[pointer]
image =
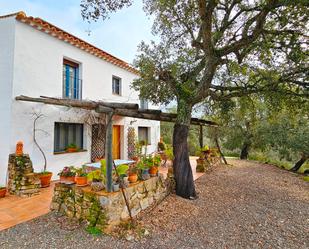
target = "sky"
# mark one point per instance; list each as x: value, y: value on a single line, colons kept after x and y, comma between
x: 119, y: 35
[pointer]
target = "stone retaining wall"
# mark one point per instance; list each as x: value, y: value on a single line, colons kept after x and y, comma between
x: 106, y: 210
x: 22, y: 181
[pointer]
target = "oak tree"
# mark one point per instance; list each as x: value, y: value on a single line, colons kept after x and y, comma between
x: 214, y: 50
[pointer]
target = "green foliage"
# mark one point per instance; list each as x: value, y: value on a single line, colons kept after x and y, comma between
x: 166, y: 131
x: 169, y: 152
x: 67, y: 171
x: 94, y: 230
x: 81, y: 171
x: 142, y: 166
x: 45, y: 172
x: 72, y: 146
x: 215, y: 51
x: 95, y: 175
x: 157, y: 160
x: 122, y: 169
x: 20, y: 161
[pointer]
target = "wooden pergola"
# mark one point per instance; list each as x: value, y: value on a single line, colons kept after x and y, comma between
x: 114, y: 108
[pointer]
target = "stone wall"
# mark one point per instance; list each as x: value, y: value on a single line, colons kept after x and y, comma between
x: 106, y: 210
x: 22, y: 180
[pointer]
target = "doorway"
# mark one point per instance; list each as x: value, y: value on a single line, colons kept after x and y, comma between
x: 116, y: 141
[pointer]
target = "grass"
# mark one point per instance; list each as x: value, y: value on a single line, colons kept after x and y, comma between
x: 94, y: 230
x: 279, y: 163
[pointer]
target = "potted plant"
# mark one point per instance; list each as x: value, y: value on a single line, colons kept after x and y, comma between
x: 45, y: 177
x: 153, y: 170
x: 144, y: 169
x: 121, y: 170
x: 81, y: 177
x: 133, y: 174
x: 2, y: 191
x: 157, y: 160
x: 96, y: 179
x: 67, y: 174
x: 71, y: 148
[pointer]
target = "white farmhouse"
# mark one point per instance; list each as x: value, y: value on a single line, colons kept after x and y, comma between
x: 40, y: 59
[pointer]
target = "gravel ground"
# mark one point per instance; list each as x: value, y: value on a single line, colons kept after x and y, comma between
x: 247, y: 205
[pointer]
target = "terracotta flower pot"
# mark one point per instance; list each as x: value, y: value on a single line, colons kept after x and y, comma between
x: 67, y: 178
x: 132, y: 177
x: 153, y: 170
x: 71, y: 150
x: 2, y: 192
x: 81, y: 180
x: 45, y: 180
x: 135, y: 158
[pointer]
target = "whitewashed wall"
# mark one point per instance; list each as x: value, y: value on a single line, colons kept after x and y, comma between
x: 38, y: 61
x: 6, y: 78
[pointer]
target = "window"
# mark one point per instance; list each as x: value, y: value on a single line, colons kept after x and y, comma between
x: 71, y: 82
x: 67, y: 134
x: 116, y: 85
x: 144, y: 134
x: 144, y: 104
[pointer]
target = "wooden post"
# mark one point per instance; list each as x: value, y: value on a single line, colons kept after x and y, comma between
x: 201, y: 137
x: 218, y: 146
x: 109, y: 152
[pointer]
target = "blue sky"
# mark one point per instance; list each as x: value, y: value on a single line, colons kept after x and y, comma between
x: 118, y: 35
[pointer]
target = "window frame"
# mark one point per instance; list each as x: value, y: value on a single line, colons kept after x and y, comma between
x: 148, y: 134
x: 120, y: 85
x: 57, y: 135
x: 76, y: 90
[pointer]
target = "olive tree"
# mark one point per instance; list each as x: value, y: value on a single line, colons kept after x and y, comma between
x: 213, y: 50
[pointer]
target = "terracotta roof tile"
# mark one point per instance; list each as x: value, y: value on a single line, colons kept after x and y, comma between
x: 54, y: 31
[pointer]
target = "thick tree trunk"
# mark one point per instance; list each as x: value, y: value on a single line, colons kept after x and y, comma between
x: 182, y: 168
x: 299, y: 163
x: 245, y: 150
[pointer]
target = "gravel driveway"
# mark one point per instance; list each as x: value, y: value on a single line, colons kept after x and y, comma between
x: 247, y: 205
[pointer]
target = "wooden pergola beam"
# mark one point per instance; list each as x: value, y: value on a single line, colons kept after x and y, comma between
x: 154, y: 115
x: 84, y: 104
x: 121, y: 109
x: 111, y: 109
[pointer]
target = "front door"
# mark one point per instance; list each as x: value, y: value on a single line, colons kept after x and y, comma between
x: 116, y: 142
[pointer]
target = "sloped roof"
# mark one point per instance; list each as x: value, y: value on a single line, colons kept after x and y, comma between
x: 60, y: 34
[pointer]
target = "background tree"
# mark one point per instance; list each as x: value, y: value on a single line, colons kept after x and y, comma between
x: 215, y: 50
x: 288, y: 134
x: 278, y: 128
x: 239, y: 119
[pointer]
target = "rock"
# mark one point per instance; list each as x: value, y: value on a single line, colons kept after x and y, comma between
x: 108, y: 210
x: 129, y: 237
x: 144, y: 203
x: 104, y: 201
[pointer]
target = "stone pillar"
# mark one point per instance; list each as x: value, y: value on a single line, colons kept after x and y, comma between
x: 22, y: 180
